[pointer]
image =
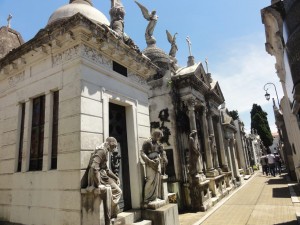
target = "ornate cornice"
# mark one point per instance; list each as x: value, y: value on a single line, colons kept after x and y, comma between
x: 61, y: 35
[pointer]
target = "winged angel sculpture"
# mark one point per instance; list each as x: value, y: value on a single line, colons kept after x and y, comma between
x: 172, y: 40
x: 152, y: 18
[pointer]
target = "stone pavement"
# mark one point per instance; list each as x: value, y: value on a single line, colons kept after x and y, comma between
x: 261, y: 200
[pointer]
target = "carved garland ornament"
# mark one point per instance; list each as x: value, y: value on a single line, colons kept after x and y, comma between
x: 84, y: 51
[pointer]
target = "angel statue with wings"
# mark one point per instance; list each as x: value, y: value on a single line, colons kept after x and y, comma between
x: 152, y: 18
x: 172, y: 40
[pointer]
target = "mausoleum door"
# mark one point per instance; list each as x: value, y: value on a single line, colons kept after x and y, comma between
x: 117, y: 129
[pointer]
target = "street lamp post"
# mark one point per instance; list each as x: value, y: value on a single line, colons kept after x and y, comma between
x: 267, y: 95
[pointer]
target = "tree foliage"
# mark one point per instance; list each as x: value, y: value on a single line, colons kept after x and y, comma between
x: 234, y: 114
x: 259, y: 122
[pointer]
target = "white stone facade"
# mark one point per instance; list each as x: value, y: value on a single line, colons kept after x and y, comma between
x: 86, y: 82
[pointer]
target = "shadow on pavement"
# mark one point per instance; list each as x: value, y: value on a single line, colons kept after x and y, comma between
x: 277, y: 181
x: 294, y: 222
x: 282, y: 192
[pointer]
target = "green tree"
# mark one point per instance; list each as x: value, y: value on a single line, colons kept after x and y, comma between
x: 259, y: 122
x: 234, y: 114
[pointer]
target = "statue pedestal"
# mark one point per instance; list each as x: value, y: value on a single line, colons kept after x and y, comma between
x: 199, y: 194
x: 164, y: 188
x: 156, y: 204
x: 96, y: 206
x: 166, y: 215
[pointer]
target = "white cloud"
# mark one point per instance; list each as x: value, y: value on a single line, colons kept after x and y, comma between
x: 242, y: 75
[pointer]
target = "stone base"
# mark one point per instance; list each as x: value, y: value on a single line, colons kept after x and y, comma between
x: 164, y: 188
x: 175, y: 188
x: 250, y: 170
x: 212, y: 173
x: 95, y: 203
x: 217, y: 186
x: 229, y: 180
x: 247, y: 171
x: 155, y: 204
x: 199, y: 195
x: 166, y: 215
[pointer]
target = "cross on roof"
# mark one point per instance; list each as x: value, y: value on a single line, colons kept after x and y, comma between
x: 8, y: 20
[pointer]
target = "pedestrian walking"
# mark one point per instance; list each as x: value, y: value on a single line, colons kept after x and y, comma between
x: 271, y: 164
x: 264, y: 164
x: 278, y: 163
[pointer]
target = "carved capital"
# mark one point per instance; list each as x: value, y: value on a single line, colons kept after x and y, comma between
x: 191, y: 103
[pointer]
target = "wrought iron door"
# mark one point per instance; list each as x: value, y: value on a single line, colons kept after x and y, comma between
x: 117, y: 129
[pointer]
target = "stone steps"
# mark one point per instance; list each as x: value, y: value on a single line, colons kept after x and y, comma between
x: 132, y: 217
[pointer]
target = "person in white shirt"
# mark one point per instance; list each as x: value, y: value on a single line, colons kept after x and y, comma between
x: 271, y: 163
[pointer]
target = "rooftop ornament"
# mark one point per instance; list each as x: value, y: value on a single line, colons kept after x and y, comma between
x: 117, y: 14
x: 172, y: 41
x: 152, y: 18
x: 8, y: 20
x: 206, y: 63
x: 189, y: 44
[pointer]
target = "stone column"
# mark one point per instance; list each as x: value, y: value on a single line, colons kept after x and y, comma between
x: 209, y: 163
x: 235, y: 168
x: 212, y: 138
x: 48, y: 131
x: 240, y: 150
x: 27, y: 135
x: 224, y: 162
x: 228, y: 155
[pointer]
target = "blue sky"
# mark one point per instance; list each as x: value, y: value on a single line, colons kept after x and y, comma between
x: 229, y: 33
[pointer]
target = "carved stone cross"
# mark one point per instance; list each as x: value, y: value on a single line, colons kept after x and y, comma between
x: 189, y: 44
x: 8, y: 20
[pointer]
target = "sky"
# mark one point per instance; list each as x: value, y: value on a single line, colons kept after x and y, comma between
x: 230, y: 34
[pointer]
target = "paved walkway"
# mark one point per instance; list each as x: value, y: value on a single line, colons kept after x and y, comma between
x: 260, y: 201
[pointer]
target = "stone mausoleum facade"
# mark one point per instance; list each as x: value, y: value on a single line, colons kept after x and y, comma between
x: 81, y: 80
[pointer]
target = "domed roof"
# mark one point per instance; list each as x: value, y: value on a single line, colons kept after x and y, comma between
x: 9, y: 40
x: 157, y: 56
x: 78, y: 6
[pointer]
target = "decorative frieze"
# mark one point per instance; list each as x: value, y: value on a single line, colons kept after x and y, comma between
x: 14, y: 80
x: 136, y: 78
x: 84, y: 51
x: 66, y: 55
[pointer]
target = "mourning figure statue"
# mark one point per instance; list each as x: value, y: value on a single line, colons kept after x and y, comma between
x: 152, y: 18
x: 154, y: 156
x: 195, y: 157
x: 100, y: 175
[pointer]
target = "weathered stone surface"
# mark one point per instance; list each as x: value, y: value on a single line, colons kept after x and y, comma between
x: 166, y: 215
x: 9, y: 39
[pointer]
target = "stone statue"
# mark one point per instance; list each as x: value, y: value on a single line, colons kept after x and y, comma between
x: 172, y: 41
x: 100, y: 175
x: 152, y: 154
x: 214, y: 151
x: 195, y: 157
x: 117, y: 14
x: 152, y: 18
